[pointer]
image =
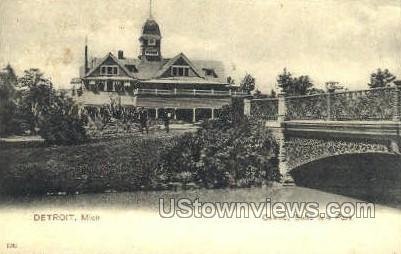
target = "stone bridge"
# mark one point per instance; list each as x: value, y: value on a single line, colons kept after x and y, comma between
x: 313, y: 127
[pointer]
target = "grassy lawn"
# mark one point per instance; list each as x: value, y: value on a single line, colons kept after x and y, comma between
x: 240, y: 155
x: 122, y: 164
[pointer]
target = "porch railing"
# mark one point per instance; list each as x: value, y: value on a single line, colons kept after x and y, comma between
x: 189, y: 92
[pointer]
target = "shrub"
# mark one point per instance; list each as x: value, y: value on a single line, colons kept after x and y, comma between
x: 61, y: 122
x: 219, y: 155
x: 28, y: 179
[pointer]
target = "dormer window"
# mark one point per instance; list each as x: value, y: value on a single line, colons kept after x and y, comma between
x: 210, y: 72
x: 152, y: 42
x: 180, y: 71
x: 151, y: 52
x: 109, y: 70
x: 131, y: 67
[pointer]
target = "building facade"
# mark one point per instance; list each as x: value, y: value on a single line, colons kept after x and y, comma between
x: 190, y: 89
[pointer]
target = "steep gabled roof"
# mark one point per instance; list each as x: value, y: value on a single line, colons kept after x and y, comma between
x: 115, y: 60
x: 148, y: 70
x: 173, y: 60
x: 217, y: 66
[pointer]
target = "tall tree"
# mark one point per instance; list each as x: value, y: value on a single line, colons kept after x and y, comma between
x: 36, y: 93
x: 381, y: 78
x: 294, y: 85
x: 285, y: 81
x: 51, y: 114
x: 248, y: 83
x: 8, y: 81
x: 302, y: 85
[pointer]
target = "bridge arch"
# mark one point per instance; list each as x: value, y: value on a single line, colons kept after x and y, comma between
x: 371, y: 176
x: 343, y: 154
x: 299, y: 149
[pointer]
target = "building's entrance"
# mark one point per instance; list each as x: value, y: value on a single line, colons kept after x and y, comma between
x: 163, y: 112
x: 109, y: 86
x: 203, y: 114
x: 184, y: 115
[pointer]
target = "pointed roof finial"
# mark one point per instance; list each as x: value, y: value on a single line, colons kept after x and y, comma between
x: 150, y: 9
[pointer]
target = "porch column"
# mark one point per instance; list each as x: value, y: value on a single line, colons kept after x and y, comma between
x: 175, y: 113
x: 157, y: 113
x: 104, y: 86
x: 212, y: 113
x: 194, y: 115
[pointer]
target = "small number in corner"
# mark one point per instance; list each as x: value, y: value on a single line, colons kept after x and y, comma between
x: 12, y: 246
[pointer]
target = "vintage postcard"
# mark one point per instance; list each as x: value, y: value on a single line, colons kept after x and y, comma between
x: 202, y: 126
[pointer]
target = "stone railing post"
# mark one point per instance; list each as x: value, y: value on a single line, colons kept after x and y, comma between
x: 396, y: 98
x: 247, y: 107
x: 395, y: 143
x: 330, y: 93
x: 282, y: 108
x: 278, y: 132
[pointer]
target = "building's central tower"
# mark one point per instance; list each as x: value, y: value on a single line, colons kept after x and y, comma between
x: 150, y: 41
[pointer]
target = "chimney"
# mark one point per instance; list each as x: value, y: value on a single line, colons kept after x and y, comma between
x: 86, y: 56
x: 120, y: 54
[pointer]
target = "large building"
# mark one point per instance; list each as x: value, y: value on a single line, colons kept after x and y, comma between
x: 189, y: 89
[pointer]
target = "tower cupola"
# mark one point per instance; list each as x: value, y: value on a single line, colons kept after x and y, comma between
x: 150, y: 40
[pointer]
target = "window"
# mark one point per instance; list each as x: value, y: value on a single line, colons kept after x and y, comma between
x: 109, y: 70
x: 210, y: 72
x: 131, y: 67
x: 151, y: 53
x: 180, y: 71
x: 152, y: 42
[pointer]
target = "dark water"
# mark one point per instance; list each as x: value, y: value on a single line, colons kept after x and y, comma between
x: 371, y: 177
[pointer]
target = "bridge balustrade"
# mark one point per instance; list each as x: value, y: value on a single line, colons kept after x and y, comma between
x: 266, y: 108
x: 374, y: 104
x: 309, y: 107
x: 378, y: 104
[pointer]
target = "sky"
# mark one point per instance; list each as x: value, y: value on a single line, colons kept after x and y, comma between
x: 328, y: 40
